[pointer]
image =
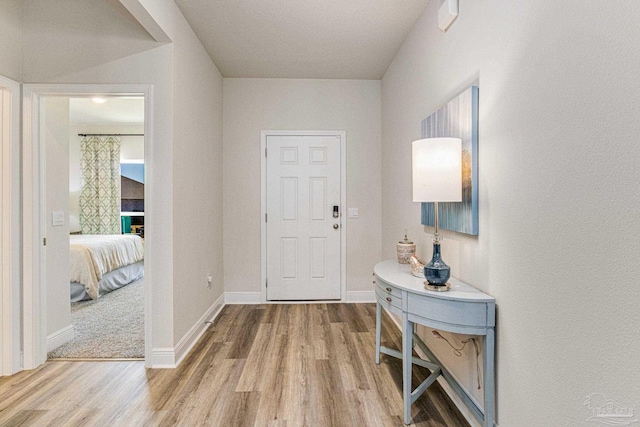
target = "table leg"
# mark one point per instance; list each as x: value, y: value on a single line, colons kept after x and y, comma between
x: 488, y: 354
x: 378, y: 330
x: 407, y: 347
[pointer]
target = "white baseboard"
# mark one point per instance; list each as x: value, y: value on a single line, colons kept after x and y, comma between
x: 193, y: 335
x: 163, y: 358
x: 60, y: 337
x: 171, y: 357
x: 361, y: 296
x: 255, y: 298
x: 242, y: 297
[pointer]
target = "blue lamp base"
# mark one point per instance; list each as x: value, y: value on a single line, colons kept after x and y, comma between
x: 437, y: 272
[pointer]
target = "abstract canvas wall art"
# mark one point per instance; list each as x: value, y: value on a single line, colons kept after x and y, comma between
x: 458, y: 119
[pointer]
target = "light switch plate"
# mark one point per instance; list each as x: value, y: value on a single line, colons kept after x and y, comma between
x: 352, y: 212
x: 57, y: 218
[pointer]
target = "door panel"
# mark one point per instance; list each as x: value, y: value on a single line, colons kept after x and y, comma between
x: 303, y: 247
x: 317, y: 257
x: 289, y: 258
x: 318, y: 198
x: 289, y: 198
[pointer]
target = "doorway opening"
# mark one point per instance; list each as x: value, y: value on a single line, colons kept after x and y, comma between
x: 94, y: 173
x: 67, y: 134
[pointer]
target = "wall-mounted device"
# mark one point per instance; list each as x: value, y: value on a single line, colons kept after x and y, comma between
x: 447, y: 13
x: 57, y: 218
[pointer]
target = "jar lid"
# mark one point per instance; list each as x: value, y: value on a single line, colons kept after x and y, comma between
x: 405, y: 241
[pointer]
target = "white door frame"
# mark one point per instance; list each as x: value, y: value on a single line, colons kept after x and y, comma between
x: 34, y: 256
x: 341, y: 135
x: 10, y: 360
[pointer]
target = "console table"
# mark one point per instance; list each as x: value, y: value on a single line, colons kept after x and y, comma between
x: 463, y: 310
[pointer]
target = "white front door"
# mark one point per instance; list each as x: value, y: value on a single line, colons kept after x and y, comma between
x: 303, y: 236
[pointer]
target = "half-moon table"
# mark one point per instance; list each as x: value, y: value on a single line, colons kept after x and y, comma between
x: 462, y: 310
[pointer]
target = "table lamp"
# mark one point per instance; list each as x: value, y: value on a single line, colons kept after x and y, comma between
x: 437, y: 177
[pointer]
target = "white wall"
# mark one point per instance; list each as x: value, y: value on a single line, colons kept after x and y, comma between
x: 90, y: 42
x: 559, y: 173
x: 197, y: 162
x: 253, y: 105
x: 98, y: 42
x: 55, y: 128
x: 11, y: 39
x: 131, y: 147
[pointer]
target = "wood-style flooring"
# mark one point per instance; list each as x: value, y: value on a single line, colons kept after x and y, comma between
x: 257, y: 365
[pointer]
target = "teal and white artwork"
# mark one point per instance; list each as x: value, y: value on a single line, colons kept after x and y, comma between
x: 457, y: 119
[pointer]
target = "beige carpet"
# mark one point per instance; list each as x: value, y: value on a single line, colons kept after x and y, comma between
x: 111, y: 327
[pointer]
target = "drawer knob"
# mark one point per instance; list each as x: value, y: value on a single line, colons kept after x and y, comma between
x: 388, y: 299
x: 388, y: 289
x: 374, y: 281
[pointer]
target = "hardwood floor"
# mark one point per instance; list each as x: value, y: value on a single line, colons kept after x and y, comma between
x: 269, y: 365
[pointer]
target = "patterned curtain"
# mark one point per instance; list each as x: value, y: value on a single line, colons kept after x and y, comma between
x: 100, y: 194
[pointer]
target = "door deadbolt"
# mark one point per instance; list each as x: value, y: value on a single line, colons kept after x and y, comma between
x: 335, y: 226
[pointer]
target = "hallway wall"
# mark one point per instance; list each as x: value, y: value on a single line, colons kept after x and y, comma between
x: 559, y: 170
x: 99, y: 42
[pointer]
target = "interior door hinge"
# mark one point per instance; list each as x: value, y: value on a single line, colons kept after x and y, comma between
x: 44, y: 241
x: 265, y: 153
x: 265, y: 218
x: 266, y: 283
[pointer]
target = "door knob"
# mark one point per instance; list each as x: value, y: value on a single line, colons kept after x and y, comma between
x: 335, y: 226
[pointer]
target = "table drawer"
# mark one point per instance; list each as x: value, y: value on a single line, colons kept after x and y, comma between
x: 449, y: 311
x: 388, y: 289
x: 386, y: 298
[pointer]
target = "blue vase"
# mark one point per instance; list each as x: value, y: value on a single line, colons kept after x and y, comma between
x: 436, y: 271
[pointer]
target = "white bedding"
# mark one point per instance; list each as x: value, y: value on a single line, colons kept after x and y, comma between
x: 95, y: 255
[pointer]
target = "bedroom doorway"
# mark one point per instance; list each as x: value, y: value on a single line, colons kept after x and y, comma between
x: 94, y: 174
x: 66, y: 135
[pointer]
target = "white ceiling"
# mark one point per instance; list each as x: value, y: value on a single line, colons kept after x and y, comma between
x: 328, y: 39
x: 122, y: 110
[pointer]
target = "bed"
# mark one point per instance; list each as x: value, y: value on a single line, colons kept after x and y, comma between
x: 103, y: 263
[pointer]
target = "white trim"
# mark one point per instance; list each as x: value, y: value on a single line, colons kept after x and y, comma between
x: 250, y: 298
x: 164, y: 358
x: 10, y: 307
x: 60, y: 337
x: 343, y: 202
x: 361, y: 296
x: 34, y: 284
x: 193, y: 335
x: 242, y: 297
x: 443, y: 383
x: 149, y: 255
x: 343, y: 213
x: 146, y: 19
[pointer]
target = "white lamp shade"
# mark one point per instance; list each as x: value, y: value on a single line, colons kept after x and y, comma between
x: 437, y: 170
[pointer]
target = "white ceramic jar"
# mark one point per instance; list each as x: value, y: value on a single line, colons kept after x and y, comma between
x: 406, y: 249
